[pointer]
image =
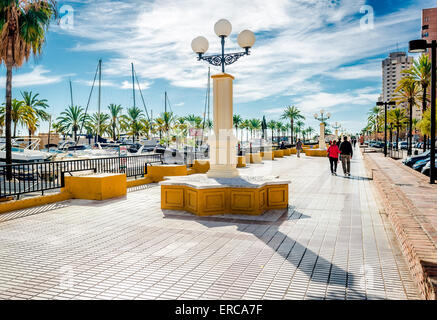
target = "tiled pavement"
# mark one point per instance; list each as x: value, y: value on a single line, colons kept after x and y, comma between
x: 332, y: 243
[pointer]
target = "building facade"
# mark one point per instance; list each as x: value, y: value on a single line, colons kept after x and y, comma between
x: 392, y: 68
x: 429, y: 24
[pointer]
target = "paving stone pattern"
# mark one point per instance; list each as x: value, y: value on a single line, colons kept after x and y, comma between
x: 333, y: 243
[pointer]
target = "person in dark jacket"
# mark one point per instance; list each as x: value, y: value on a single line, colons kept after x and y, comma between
x: 339, y: 142
x: 347, y: 153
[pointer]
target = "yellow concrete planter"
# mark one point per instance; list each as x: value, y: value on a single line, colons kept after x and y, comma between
x: 97, y: 187
x: 199, y: 166
x: 279, y: 153
x: 287, y: 152
x: 207, y: 202
x: 293, y: 151
x: 268, y: 155
x: 34, y: 202
x: 241, y: 162
x: 316, y: 153
x: 253, y: 158
x: 157, y: 173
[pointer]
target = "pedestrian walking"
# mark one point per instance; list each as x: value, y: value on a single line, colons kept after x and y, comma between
x: 347, y: 153
x: 299, y: 147
x: 333, y: 153
x: 339, y: 142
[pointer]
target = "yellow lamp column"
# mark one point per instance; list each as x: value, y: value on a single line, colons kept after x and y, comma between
x: 322, y: 143
x: 223, y: 154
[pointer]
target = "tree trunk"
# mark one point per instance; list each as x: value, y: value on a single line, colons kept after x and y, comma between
x: 423, y: 111
x: 410, y: 129
x: 292, y: 129
x: 113, y: 131
x: 9, y: 65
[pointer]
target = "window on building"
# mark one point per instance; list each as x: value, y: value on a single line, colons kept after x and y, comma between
x: 425, y: 35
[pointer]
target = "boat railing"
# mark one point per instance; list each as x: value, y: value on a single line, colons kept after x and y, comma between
x: 20, y: 179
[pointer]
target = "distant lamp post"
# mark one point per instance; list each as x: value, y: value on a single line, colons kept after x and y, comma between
x: 421, y: 46
x: 223, y: 28
x: 385, y: 104
x: 336, y: 126
x: 323, y: 117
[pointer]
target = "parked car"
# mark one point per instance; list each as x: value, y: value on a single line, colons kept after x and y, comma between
x: 403, y: 145
x: 426, y: 169
x: 419, y: 165
x: 410, y: 161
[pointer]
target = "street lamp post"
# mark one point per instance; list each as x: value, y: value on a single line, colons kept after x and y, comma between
x: 336, y: 126
x: 385, y: 104
x: 421, y: 46
x: 323, y: 117
x: 223, y: 143
x: 223, y: 28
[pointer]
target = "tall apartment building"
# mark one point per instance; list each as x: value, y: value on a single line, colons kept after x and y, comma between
x: 429, y: 24
x: 392, y: 68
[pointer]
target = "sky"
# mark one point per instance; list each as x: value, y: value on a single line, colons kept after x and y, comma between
x: 313, y: 54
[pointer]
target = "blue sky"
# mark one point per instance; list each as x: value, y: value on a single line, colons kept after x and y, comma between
x: 313, y: 54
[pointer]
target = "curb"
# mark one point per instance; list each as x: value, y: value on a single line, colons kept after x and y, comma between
x: 415, y: 243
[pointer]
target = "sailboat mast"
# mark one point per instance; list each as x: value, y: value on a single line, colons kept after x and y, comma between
x: 133, y: 84
x: 100, y: 98
x: 71, y: 94
x: 165, y: 108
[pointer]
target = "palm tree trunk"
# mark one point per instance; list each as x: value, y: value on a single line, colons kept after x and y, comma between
x: 423, y: 111
x: 113, y: 131
x: 291, y: 133
x: 410, y: 130
x: 9, y: 65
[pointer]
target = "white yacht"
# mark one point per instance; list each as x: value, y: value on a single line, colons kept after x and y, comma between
x: 24, y: 150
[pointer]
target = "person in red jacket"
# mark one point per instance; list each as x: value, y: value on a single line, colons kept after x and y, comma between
x: 333, y: 153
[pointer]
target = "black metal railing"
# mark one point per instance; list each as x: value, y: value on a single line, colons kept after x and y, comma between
x: 44, y: 176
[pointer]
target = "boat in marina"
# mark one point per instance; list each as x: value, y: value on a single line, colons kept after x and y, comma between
x: 25, y: 150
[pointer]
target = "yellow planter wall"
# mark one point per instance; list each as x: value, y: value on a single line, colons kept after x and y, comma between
x: 316, y: 153
x: 253, y: 158
x: 287, y: 152
x: 279, y: 153
x: 268, y: 155
x: 157, y: 173
x: 207, y: 202
x: 241, y: 162
x: 97, y: 187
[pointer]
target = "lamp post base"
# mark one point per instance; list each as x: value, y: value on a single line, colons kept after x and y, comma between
x: 223, y: 171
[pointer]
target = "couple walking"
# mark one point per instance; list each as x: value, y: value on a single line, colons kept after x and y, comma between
x: 343, y: 150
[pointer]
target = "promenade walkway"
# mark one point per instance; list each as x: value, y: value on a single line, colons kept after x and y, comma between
x: 334, y: 242
x: 411, y: 203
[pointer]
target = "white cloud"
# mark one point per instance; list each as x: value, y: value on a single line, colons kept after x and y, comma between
x: 298, y: 42
x: 126, y: 85
x: 39, y: 76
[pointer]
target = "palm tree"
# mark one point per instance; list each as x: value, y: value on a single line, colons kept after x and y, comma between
x: 32, y: 101
x: 71, y: 118
x: 420, y: 71
x: 237, y: 121
x: 131, y: 121
x: 374, y: 119
x: 115, y: 112
x: 23, y: 28
x: 160, y: 125
x: 254, y: 124
x: 272, y: 126
x: 168, y: 119
x: 146, y: 127
x: 408, y: 91
x: 398, y: 118
x: 300, y: 125
x: 21, y: 114
x: 310, y: 131
x: 279, y: 129
x: 425, y: 124
x: 245, y: 125
x: 292, y: 113
x: 97, y: 124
